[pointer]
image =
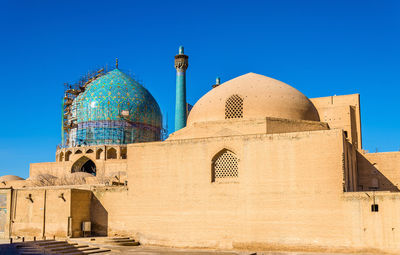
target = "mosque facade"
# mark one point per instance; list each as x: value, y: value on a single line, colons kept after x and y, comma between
x: 254, y: 165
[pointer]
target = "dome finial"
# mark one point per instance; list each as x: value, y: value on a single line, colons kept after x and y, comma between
x: 217, y: 82
x: 181, y: 50
x: 116, y: 63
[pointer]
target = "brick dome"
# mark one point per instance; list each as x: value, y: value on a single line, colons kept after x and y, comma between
x: 254, y: 96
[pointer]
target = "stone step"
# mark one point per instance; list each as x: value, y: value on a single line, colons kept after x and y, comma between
x: 24, y: 245
x: 44, y: 241
x: 51, y: 243
x: 80, y: 252
x: 118, y: 241
x: 133, y: 243
x: 66, y: 247
x: 34, y: 251
x: 119, y: 238
x: 81, y: 246
x: 56, y: 246
x: 89, y: 249
x: 99, y: 251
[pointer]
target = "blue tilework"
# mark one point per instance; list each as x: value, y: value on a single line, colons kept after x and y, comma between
x: 99, y: 112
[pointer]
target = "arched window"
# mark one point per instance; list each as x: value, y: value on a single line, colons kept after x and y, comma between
x: 99, y: 154
x: 89, y: 151
x: 111, y: 153
x: 234, y: 107
x: 78, y: 152
x: 225, y: 166
x: 61, y: 157
x: 68, y: 155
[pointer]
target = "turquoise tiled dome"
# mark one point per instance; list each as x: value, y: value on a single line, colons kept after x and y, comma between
x: 107, y: 96
x: 116, y: 109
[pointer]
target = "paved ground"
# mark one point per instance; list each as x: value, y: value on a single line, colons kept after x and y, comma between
x: 6, y: 249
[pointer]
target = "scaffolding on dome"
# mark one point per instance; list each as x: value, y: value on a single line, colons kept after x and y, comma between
x: 101, y: 132
x: 72, y: 91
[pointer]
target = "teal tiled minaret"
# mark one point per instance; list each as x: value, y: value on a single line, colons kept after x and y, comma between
x: 181, y: 64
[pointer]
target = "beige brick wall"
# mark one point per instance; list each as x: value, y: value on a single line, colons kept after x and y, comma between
x: 341, y: 112
x: 288, y: 192
x: 57, y: 212
x: 28, y: 215
x: 80, y: 210
x: 384, y: 167
x: 47, y: 213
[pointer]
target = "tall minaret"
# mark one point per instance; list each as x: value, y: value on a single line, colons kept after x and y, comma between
x: 181, y: 64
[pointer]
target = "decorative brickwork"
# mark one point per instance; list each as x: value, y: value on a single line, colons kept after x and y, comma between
x: 234, y: 107
x: 225, y: 166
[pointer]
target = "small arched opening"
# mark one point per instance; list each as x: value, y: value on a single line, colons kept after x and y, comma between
x: 78, y: 152
x: 89, y: 151
x: 68, y: 155
x: 224, y: 166
x: 61, y: 157
x: 84, y: 164
x: 111, y: 153
x: 100, y: 154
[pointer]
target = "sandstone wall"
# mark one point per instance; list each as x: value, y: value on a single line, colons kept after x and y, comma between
x: 80, y: 210
x: 341, y: 112
x: 42, y: 212
x: 289, y: 192
x: 380, y: 171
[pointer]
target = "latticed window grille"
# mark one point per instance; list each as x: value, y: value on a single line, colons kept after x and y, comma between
x: 234, y: 107
x: 225, y: 166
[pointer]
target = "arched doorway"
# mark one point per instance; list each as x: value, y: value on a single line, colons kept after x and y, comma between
x: 84, y: 164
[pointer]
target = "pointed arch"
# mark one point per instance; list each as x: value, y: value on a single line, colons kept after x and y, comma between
x: 234, y: 107
x: 224, y: 166
x: 111, y: 153
x: 84, y: 164
x: 78, y: 152
x: 61, y: 157
x: 100, y: 154
x: 89, y: 151
x: 68, y: 155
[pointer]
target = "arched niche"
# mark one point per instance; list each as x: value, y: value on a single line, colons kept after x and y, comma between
x: 224, y: 166
x: 68, y: 155
x: 100, y: 154
x: 111, y: 153
x: 61, y: 157
x: 84, y: 164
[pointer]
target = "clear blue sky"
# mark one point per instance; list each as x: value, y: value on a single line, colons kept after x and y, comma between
x: 321, y: 48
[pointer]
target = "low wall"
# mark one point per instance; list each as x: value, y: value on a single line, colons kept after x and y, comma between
x: 40, y: 212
